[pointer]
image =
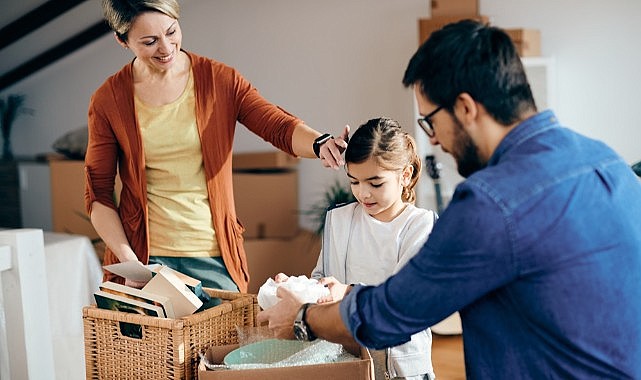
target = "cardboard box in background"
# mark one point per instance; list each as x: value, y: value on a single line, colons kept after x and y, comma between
x: 526, y: 41
x: 293, y: 256
x: 264, y: 160
x: 428, y: 25
x: 267, y: 203
x: 455, y: 8
x: 266, y: 194
x: 68, y: 198
x: 348, y: 370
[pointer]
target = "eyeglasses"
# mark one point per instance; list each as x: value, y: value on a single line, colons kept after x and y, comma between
x: 426, y: 122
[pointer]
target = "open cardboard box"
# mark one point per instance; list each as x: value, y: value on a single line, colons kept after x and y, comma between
x: 362, y: 369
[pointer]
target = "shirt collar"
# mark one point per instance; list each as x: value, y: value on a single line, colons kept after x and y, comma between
x: 529, y: 127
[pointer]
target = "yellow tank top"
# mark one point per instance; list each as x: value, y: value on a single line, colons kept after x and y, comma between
x: 180, y: 222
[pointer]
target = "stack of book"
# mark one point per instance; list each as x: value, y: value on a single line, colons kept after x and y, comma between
x: 167, y: 294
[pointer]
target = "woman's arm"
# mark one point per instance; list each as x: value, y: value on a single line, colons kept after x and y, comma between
x: 330, y: 152
x: 107, y: 223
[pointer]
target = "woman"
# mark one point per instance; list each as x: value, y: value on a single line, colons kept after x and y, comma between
x: 166, y: 122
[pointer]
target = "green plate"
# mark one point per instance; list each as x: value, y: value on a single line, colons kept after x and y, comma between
x: 267, y: 351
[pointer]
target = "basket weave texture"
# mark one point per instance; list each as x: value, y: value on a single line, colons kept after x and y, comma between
x: 167, y: 348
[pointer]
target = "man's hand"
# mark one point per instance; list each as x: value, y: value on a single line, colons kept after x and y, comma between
x: 280, y: 317
x: 331, y: 152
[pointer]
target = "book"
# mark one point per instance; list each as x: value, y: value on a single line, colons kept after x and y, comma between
x: 165, y: 282
x: 184, y: 292
x: 134, y: 270
x: 193, y: 284
x: 140, y: 295
x: 111, y: 301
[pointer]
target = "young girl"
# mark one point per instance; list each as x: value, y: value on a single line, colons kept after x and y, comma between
x: 369, y: 240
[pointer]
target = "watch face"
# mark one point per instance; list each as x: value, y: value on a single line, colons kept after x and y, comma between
x: 300, y: 331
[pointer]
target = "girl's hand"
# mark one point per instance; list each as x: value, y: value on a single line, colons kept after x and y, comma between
x: 336, y: 289
x: 281, y: 277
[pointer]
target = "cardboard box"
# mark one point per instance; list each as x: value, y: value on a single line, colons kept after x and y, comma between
x: 264, y: 160
x: 349, y: 370
x: 266, y: 193
x: 454, y: 8
x: 526, y: 41
x: 267, y: 203
x: 68, y: 198
x: 427, y: 26
x: 268, y: 257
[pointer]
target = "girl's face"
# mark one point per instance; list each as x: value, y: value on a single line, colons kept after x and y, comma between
x: 155, y: 39
x: 378, y: 190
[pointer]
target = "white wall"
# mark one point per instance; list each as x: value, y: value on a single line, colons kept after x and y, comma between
x: 334, y: 62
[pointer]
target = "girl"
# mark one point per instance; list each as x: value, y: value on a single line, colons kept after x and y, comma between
x: 369, y: 240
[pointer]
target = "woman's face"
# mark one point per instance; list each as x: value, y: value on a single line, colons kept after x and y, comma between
x: 155, y: 39
x: 378, y: 190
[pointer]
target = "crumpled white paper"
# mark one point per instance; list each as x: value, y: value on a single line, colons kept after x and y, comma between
x: 307, y: 289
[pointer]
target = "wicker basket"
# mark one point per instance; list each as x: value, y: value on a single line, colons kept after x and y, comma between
x: 162, y: 348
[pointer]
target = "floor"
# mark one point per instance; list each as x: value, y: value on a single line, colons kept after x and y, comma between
x: 447, y: 357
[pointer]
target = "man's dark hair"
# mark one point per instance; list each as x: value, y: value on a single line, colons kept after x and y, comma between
x: 477, y: 59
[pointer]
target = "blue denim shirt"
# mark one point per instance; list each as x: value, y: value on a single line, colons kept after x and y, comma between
x: 541, y: 254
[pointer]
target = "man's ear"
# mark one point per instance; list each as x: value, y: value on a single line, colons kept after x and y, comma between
x: 466, y: 109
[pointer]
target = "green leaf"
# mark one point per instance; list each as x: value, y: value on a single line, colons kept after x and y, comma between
x: 336, y: 194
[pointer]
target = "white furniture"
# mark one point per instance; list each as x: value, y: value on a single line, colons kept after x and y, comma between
x: 72, y: 272
x: 25, y: 334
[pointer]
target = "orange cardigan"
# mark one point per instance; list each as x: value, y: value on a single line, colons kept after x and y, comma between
x: 223, y: 97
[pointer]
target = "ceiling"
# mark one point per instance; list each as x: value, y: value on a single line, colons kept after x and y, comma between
x: 36, y: 33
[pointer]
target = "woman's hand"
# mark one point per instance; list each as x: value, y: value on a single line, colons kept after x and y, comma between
x: 331, y: 152
x: 135, y: 284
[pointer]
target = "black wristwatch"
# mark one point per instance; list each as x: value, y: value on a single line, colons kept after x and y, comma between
x: 301, y: 329
x: 320, y: 141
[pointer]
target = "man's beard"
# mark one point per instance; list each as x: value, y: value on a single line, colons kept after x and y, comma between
x: 465, y: 152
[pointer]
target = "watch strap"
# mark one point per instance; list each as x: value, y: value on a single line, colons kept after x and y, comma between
x: 319, y: 142
x: 310, y: 334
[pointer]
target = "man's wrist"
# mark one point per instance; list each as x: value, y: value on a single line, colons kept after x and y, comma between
x: 302, y: 331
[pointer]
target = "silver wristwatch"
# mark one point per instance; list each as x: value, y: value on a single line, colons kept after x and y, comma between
x: 301, y: 329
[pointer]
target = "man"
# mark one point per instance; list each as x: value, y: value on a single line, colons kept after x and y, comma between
x: 539, y: 249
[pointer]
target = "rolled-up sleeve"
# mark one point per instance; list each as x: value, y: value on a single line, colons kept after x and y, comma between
x: 375, y: 334
x: 101, y: 159
x: 267, y: 120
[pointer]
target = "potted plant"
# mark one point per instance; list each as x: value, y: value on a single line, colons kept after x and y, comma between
x: 335, y: 194
x: 10, y: 108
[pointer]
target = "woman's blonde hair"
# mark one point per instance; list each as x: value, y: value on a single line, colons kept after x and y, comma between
x: 120, y: 14
x: 394, y: 149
